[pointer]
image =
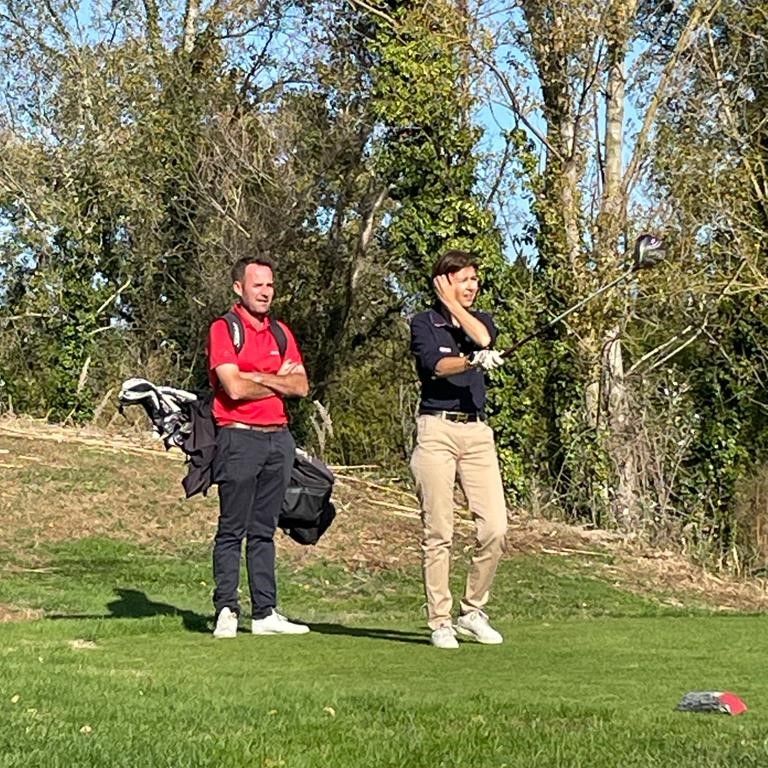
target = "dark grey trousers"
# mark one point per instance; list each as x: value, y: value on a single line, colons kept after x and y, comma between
x: 252, y: 470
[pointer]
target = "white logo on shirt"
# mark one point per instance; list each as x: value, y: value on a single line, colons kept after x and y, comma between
x: 445, y: 349
x: 274, y: 352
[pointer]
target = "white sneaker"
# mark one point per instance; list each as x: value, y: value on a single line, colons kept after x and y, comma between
x: 475, y: 624
x: 445, y: 638
x: 226, y: 624
x: 275, y: 624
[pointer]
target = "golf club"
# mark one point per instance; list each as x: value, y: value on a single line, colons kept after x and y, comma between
x: 648, y: 251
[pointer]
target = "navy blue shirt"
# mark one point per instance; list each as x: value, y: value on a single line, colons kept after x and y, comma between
x: 433, y: 337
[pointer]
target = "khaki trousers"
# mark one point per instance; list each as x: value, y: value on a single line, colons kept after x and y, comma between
x: 444, y: 448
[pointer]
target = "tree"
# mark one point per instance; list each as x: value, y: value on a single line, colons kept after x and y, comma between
x: 710, y: 164
x: 578, y: 55
x: 154, y: 157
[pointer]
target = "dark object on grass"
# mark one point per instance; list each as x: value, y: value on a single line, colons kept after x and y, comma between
x: 719, y: 702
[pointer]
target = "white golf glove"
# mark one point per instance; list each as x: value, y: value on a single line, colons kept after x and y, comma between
x: 487, y: 359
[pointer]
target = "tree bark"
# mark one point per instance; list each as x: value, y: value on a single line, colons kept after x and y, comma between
x: 615, y: 429
x: 191, y: 12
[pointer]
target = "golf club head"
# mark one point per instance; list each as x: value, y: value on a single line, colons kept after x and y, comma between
x: 649, y: 251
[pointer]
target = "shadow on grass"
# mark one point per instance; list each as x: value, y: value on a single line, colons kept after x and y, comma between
x: 394, y: 635
x: 134, y: 604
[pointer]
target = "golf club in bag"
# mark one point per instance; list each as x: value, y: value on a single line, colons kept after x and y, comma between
x: 648, y: 251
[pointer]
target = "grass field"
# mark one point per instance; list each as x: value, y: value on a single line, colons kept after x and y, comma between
x: 111, y: 662
x: 122, y: 671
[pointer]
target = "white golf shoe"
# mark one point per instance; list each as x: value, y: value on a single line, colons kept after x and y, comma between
x: 276, y: 624
x: 475, y: 625
x: 226, y: 624
x: 444, y: 638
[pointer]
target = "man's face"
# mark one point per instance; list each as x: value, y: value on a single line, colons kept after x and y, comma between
x: 466, y: 285
x: 257, y: 289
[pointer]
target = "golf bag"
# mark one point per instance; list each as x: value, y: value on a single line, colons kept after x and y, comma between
x: 166, y: 407
x: 183, y: 420
x: 307, y: 511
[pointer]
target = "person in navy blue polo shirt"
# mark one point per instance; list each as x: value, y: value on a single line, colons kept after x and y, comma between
x: 452, y: 345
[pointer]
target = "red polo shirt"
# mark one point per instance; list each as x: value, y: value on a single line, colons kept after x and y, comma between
x: 258, y: 354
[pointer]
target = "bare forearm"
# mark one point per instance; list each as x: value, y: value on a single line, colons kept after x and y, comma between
x: 288, y: 385
x: 473, y: 327
x: 450, y: 366
x: 244, y: 387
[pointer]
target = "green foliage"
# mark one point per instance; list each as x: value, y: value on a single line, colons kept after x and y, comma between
x: 113, y: 258
x: 428, y: 158
x: 55, y: 340
x: 369, y: 407
x: 730, y: 437
x: 372, y: 407
x: 139, y: 161
x: 169, y: 165
x: 709, y: 163
x: 515, y: 391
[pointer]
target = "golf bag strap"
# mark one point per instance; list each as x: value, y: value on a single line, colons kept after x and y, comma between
x: 237, y: 332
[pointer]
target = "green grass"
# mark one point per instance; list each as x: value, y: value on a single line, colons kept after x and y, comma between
x: 588, y: 675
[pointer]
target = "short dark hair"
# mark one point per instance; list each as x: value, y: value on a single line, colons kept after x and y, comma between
x: 238, y: 268
x: 453, y: 261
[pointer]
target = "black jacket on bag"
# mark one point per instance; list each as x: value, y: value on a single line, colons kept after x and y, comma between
x: 185, y: 421
x: 200, y: 447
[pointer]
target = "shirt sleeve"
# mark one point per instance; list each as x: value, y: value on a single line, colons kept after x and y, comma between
x: 221, y: 350
x: 429, y: 346
x: 425, y: 346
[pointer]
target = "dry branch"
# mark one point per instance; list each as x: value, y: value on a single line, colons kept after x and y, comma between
x: 113, y: 447
x: 377, y: 486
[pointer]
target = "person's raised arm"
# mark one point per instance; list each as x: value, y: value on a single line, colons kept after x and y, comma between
x: 446, y: 291
x: 427, y: 351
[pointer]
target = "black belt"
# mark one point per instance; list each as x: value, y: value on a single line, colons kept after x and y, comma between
x: 458, y: 416
x: 256, y: 427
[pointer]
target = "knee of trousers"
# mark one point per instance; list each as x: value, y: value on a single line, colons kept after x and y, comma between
x: 436, y: 544
x: 437, y: 533
x: 230, y: 533
x: 493, y: 536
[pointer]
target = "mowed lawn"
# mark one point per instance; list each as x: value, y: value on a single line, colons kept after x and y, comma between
x: 121, y: 670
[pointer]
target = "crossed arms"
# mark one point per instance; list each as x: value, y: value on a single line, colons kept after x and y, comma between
x: 290, y: 381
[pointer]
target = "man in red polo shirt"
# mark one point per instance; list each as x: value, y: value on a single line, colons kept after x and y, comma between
x: 254, y: 449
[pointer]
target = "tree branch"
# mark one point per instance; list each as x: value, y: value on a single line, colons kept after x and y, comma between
x: 643, y: 136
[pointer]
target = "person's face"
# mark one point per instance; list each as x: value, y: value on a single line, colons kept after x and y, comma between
x: 257, y: 289
x: 466, y: 285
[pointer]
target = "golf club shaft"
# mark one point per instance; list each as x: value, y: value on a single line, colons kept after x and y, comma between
x: 531, y: 336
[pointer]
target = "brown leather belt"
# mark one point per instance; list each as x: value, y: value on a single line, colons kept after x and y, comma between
x: 256, y: 427
x: 458, y: 416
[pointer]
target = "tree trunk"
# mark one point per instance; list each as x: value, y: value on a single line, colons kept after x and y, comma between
x: 614, y: 431
x: 191, y: 12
